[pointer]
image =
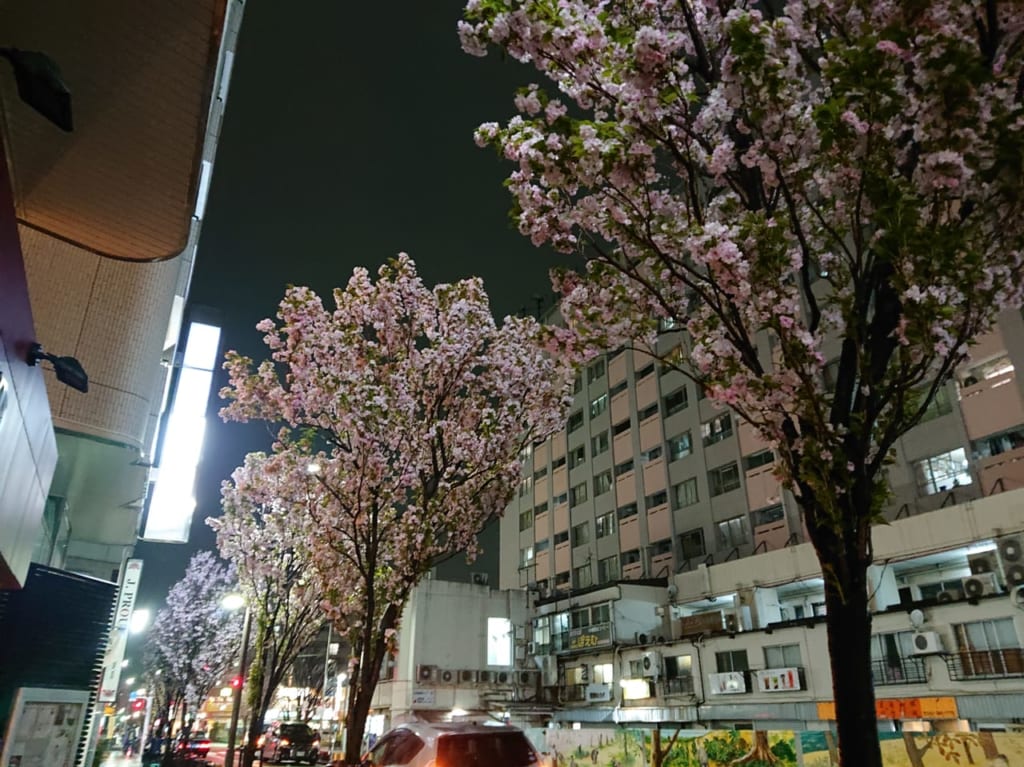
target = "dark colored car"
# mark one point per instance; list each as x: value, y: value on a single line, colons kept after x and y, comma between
x: 293, y: 742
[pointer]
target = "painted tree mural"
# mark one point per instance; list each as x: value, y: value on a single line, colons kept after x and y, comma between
x: 819, y: 200
x: 403, y: 412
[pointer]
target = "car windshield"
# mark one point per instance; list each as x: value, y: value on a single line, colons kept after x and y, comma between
x: 296, y: 730
x: 509, y: 749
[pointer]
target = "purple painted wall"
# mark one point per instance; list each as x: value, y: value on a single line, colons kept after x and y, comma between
x: 28, y: 449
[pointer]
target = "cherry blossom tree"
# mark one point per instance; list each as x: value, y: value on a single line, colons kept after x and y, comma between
x: 193, y: 641
x: 271, y: 555
x: 404, y: 410
x: 789, y: 183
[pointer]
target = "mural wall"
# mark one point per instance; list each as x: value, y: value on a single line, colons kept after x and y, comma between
x: 610, y: 747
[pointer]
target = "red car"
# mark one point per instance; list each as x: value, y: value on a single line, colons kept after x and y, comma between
x: 195, y: 746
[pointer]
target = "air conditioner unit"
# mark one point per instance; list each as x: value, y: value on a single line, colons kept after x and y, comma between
x: 479, y: 579
x: 468, y: 675
x: 527, y: 678
x: 485, y: 677
x: 985, y: 562
x: 548, y: 665
x: 927, y: 643
x: 651, y: 663
x: 945, y: 596
x: 446, y: 676
x: 503, y: 677
x: 980, y: 585
x: 425, y: 673
x: 1017, y: 597
x: 1011, y: 556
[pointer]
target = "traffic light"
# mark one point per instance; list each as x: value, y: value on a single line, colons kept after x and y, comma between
x: 139, y: 704
x: 236, y: 682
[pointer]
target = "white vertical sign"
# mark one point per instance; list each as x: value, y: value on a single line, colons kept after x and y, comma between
x: 119, y: 635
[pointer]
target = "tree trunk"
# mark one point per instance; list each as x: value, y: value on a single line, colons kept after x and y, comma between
x: 849, y: 642
x: 915, y: 753
x: 760, y: 754
x: 368, y: 673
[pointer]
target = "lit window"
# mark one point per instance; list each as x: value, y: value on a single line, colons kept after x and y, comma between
x: 943, y: 472
x: 499, y: 642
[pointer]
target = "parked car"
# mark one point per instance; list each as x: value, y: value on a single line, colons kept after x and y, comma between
x: 291, y: 741
x: 195, y: 746
x: 453, y: 745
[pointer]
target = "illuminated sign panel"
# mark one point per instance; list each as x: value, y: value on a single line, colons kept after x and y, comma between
x: 173, y: 498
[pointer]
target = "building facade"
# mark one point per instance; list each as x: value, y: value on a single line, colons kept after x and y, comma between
x: 652, y: 483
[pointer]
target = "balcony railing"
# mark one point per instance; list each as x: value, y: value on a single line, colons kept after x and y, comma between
x: 680, y: 685
x: 898, y: 671
x: 574, y: 693
x: 985, y: 664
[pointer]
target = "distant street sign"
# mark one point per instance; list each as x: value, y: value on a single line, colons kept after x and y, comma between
x: 132, y: 695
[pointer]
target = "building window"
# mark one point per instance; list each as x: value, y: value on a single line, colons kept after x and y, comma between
x: 540, y: 508
x: 526, y: 453
x: 619, y: 428
x: 676, y: 401
x: 540, y: 473
x: 599, y: 444
x: 605, y: 525
x: 692, y: 543
x: 681, y: 446
x: 717, y: 429
x: 627, y: 511
x: 525, y: 520
x: 561, y: 498
x: 561, y: 537
x: 679, y: 673
x: 758, y: 459
x: 943, y: 472
x: 651, y: 455
x: 767, y: 515
x: 731, y: 660
x: 893, y: 661
x: 644, y: 371
x: 577, y: 456
x: 577, y: 385
x: 624, y: 468
x: 685, y: 493
x: 581, y: 534
x: 526, y: 556
x: 648, y: 412
x: 542, y: 545
x: 525, y: 486
x: 986, y: 648
x: 598, y: 406
x: 724, y: 478
x: 575, y: 421
x: 499, y: 642
x: 608, y: 569
x: 558, y: 463
x: 581, y: 577
x: 659, y: 498
x: 732, y: 532
x: 941, y: 404
x: 562, y: 581
x: 782, y: 656
x: 595, y: 371
x: 602, y: 673
x: 618, y: 388
x: 631, y: 557
x: 578, y: 494
x: 602, y: 483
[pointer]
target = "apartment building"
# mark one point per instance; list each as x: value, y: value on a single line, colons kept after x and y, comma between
x: 653, y: 487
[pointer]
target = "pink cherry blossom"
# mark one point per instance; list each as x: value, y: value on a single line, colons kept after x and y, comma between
x: 821, y: 175
x: 403, y: 412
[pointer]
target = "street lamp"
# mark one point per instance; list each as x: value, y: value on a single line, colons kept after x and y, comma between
x: 233, y: 602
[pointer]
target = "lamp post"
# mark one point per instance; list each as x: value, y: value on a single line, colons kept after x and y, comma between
x: 234, y: 601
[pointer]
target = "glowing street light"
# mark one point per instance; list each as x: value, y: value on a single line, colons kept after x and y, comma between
x: 139, y: 621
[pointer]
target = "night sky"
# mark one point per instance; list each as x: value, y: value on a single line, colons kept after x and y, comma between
x: 348, y: 137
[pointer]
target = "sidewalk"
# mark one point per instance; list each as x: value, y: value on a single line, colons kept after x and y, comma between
x: 117, y: 759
